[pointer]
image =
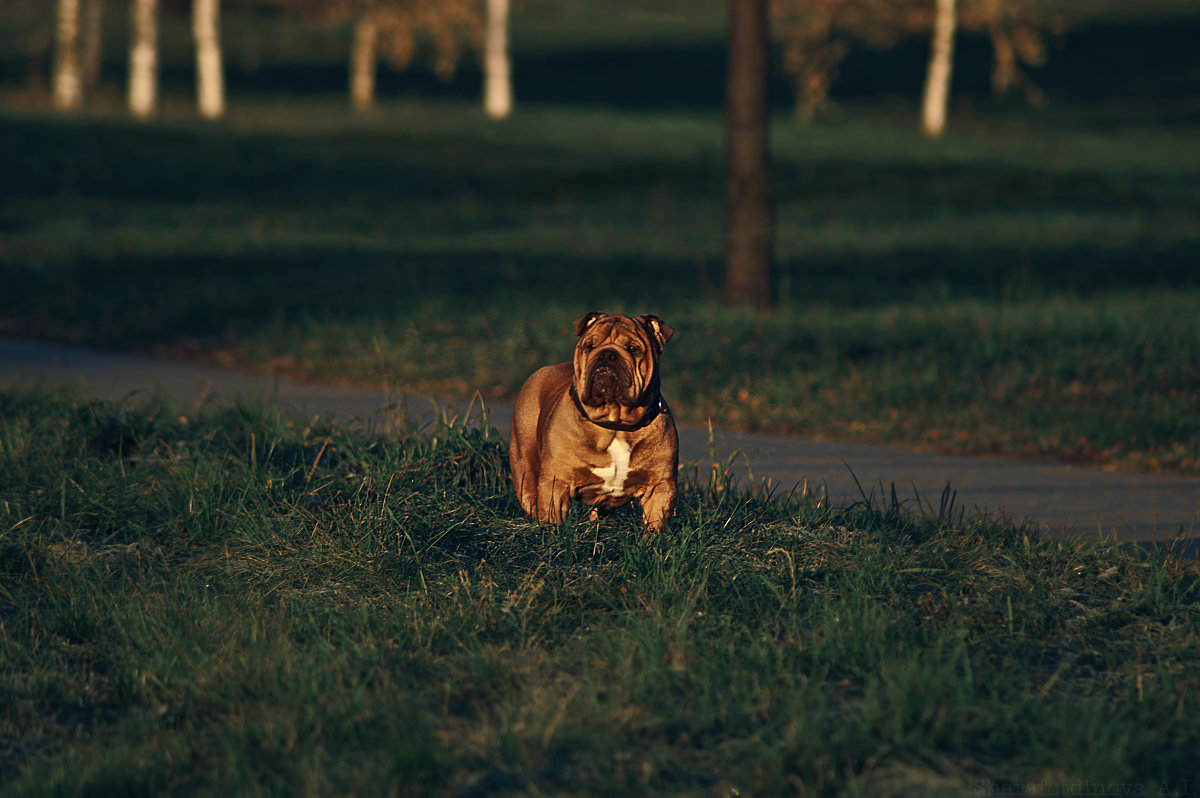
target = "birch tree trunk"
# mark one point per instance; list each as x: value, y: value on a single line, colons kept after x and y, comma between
x: 362, y: 63
x: 749, y: 275
x: 143, y: 58
x: 941, y: 62
x: 498, y: 93
x: 92, y: 42
x: 210, y: 78
x: 68, y: 82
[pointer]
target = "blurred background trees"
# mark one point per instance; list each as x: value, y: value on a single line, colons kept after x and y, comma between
x: 210, y: 72
x: 396, y: 31
x: 814, y: 37
x: 811, y: 37
x: 941, y: 65
x: 391, y: 29
x: 143, y: 58
x: 749, y: 238
x: 497, y: 65
x: 68, y: 78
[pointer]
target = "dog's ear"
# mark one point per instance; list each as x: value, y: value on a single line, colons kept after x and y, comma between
x: 659, y: 329
x: 587, y: 320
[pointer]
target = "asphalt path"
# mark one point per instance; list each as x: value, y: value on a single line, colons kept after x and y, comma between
x: 1066, y: 499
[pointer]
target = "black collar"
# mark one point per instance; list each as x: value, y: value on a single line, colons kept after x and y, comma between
x: 659, y: 406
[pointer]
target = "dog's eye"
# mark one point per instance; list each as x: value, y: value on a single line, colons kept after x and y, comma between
x: 588, y: 346
x: 632, y: 349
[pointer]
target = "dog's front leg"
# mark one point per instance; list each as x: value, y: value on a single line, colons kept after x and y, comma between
x: 554, y: 500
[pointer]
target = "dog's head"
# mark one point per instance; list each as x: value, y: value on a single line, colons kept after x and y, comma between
x: 616, y: 359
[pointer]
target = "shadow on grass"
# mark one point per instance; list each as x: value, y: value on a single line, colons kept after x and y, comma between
x: 200, y: 228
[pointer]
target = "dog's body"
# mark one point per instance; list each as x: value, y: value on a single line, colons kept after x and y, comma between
x: 597, y: 429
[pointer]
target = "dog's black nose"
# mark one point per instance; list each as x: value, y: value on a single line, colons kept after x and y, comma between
x: 606, y: 356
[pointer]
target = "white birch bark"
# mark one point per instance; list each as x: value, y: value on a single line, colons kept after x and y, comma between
x: 68, y: 81
x: 92, y: 42
x: 941, y: 62
x: 210, y: 78
x: 498, y: 93
x: 143, y: 58
x: 362, y: 63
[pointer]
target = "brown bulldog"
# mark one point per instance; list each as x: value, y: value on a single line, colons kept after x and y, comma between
x: 597, y: 429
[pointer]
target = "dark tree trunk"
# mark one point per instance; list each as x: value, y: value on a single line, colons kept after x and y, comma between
x: 749, y: 278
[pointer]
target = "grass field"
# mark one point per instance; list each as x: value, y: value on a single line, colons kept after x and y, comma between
x: 219, y: 600
x: 1019, y: 289
x: 1025, y: 287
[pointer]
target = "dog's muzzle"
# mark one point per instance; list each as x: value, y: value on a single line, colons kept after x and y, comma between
x: 608, y: 378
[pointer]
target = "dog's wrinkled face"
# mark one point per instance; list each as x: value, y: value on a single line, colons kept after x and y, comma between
x: 616, y: 359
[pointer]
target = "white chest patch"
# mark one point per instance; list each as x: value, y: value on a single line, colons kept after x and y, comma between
x: 614, y: 475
